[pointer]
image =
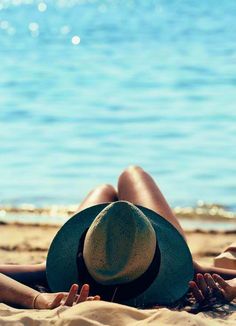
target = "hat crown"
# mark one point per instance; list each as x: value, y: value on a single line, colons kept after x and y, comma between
x: 119, y: 245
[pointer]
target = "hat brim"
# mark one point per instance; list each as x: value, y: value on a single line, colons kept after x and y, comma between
x: 176, y: 267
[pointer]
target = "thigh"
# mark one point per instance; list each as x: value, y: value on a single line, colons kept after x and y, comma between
x: 102, y: 194
x: 138, y: 187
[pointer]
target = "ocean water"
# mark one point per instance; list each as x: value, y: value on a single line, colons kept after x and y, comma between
x: 90, y: 87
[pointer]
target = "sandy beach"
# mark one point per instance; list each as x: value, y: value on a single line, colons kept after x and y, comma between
x: 28, y: 243
x: 21, y: 243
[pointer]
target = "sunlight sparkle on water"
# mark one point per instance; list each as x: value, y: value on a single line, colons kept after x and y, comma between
x: 42, y: 7
x: 75, y: 40
x: 33, y: 27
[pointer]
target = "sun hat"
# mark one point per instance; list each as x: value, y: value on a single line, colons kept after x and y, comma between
x: 126, y: 253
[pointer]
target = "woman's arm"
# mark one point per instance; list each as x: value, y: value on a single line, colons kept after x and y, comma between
x: 15, y: 293
x: 26, y: 274
x: 227, y: 274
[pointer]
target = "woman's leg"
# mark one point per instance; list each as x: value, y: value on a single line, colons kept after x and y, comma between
x: 102, y: 194
x: 137, y: 186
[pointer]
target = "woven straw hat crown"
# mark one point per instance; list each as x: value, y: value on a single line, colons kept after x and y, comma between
x: 119, y: 245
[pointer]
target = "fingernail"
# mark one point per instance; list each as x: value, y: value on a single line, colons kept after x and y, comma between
x: 86, y: 286
x: 75, y: 287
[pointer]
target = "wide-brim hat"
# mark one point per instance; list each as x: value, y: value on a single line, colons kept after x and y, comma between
x: 128, y: 254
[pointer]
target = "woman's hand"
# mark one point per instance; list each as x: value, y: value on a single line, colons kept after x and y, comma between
x: 214, y: 286
x: 53, y: 300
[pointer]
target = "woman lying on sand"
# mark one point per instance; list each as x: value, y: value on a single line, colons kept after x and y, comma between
x: 137, y: 187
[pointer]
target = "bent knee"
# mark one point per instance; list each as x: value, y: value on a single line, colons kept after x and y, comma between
x: 105, y: 189
x: 132, y: 169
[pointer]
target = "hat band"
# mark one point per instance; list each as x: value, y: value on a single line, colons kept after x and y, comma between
x: 117, y: 292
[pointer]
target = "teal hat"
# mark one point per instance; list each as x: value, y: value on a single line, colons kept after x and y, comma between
x: 127, y: 254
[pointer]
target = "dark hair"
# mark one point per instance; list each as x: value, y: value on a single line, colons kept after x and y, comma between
x: 215, y: 303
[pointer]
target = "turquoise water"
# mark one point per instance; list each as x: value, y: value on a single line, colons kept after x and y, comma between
x: 90, y: 87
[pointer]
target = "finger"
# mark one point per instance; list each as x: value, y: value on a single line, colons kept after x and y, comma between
x: 90, y: 299
x: 223, y: 284
x: 210, y: 282
x: 196, y: 291
x: 57, y: 301
x: 71, y: 298
x: 95, y: 298
x: 84, y: 292
x: 202, y: 285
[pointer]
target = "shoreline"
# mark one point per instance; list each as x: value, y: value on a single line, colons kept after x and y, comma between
x: 200, y: 211
x: 200, y: 208
x: 203, y: 217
